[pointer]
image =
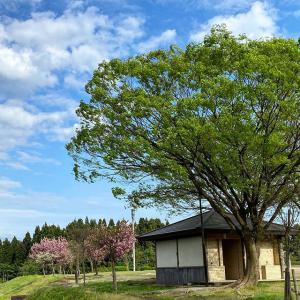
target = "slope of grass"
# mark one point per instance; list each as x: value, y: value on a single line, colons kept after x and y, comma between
x: 143, y: 290
x: 25, y: 285
x: 97, y: 291
x: 131, y: 286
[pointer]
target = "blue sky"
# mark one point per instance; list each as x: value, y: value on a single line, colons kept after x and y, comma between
x: 48, y: 50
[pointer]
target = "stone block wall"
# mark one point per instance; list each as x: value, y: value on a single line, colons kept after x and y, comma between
x: 216, y: 273
x: 269, y: 260
x: 216, y: 270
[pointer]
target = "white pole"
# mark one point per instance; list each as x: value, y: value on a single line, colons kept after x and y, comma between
x: 133, y: 246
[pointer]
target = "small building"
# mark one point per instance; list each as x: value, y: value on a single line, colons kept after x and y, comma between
x: 179, y: 251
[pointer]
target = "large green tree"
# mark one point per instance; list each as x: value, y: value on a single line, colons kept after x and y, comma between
x: 218, y: 120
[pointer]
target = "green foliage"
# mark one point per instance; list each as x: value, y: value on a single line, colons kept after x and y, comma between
x: 50, y: 231
x: 8, y: 271
x: 218, y: 120
x: 27, y: 243
x: 37, y: 235
x: 18, y: 251
x: 111, y: 223
x: 29, y: 267
x: 295, y: 247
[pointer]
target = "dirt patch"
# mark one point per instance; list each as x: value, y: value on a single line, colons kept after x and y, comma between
x: 62, y: 282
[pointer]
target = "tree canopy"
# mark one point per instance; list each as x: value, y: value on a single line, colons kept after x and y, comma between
x: 218, y: 120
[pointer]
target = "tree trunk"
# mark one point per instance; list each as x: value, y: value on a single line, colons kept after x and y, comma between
x: 83, y: 270
x: 96, y: 268
x: 92, y: 265
x: 251, y: 274
x: 53, y: 270
x: 114, y: 275
x: 126, y: 262
x: 77, y: 271
x: 44, y: 273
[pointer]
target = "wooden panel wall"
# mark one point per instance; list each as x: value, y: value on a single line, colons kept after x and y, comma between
x: 174, y: 276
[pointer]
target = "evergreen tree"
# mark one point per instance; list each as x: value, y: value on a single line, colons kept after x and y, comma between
x: 37, y: 235
x: 145, y: 251
x: 18, y: 252
x: 27, y: 242
x: 6, y: 253
x: 1, y: 251
x: 111, y: 223
x: 93, y: 223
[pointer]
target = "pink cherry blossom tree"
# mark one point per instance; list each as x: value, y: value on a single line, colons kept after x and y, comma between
x: 51, y: 252
x: 116, y: 242
x: 94, y: 252
x: 63, y: 255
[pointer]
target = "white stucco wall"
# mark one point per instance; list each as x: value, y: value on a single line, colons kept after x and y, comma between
x: 166, y: 254
x: 190, y: 252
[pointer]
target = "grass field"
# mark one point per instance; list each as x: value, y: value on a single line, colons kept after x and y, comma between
x: 25, y: 285
x: 138, y: 285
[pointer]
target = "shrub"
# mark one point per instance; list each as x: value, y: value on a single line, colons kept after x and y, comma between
x: 29, y: 268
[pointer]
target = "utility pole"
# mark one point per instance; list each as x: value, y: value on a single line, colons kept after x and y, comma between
x: 203, y: 244
x: 133, y: 230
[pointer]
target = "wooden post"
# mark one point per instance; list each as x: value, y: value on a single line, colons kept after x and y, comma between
x: 295, y: 284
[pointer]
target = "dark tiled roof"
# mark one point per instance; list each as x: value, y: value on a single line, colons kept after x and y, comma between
x: 212, y: 221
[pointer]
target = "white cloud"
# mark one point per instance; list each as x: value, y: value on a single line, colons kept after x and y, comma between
x: 63, y: 134
x: 14, y: 196
x: 22, y: 210
x: 154, y: 42
x: 49, y: 52
x: 16, y: 165
x: 18, y: 124
x: 73, y: 81
x: 30, y: 157
x: 258, y: 22
x: 22, y: 213
x: 7, y: 184
x: 33, y: 51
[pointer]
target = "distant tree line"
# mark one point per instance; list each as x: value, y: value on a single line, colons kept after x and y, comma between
x: 15, y: 254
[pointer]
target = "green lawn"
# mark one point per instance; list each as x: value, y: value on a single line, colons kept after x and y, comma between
x: 138, y: 285
x: 25, y: 285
